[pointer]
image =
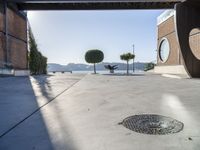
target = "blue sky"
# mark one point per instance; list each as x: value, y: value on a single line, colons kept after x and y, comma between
x: 65, y: 36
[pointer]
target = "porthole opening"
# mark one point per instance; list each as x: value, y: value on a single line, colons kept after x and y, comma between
x: 164, y: 50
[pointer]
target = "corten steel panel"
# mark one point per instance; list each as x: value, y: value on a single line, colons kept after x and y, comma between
x: 2, y: 45
x: 174, y: 57
x: 17, y: 47
x: 93, y: 4
x: 187, y: 19
x: 1, y: 17
x: 18, y: 53
x: 167, y: 27
x: 16, y: 25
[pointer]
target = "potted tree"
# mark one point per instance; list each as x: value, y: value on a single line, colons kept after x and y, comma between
x: 127, y: 57
x: 94, y: 56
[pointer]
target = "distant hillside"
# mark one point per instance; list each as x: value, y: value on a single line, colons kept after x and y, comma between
x: 85, y: 67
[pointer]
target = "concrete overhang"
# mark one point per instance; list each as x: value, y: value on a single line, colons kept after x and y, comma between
x: 93, y: 4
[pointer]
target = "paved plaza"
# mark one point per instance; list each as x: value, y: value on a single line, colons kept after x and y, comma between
x: 83, y: 112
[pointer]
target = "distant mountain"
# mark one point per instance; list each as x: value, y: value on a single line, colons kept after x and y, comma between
x: 85, y: 67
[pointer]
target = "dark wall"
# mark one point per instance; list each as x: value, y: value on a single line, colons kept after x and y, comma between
x: 1, y: 35
x: 187, y: 23
x: 17, y: 38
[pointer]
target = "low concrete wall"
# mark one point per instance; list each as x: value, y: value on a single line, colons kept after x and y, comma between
x: 177, y: 70
x: 9, y: 72
x: 21, y: 73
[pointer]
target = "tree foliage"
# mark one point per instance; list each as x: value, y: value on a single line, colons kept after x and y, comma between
x: 37, y: 62
x: 127, y: 57
x: 94, y: 56
x: 149, y: 66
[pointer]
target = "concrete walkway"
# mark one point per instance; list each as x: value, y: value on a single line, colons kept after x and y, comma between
x: 82, y: 112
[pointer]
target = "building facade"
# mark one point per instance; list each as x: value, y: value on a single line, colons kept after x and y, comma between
x: 169, y: 56
x: 13, y: 38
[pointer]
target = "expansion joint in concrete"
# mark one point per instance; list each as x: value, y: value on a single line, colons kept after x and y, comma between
x: 38, y: 109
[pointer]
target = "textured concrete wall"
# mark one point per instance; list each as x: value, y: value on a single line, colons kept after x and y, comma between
x: 17, y: 39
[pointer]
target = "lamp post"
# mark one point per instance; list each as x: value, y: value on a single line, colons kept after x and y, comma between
x: 133, y: 58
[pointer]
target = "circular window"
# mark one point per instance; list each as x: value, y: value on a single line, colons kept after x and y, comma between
x: 164, y: 50
x: 194, y: 41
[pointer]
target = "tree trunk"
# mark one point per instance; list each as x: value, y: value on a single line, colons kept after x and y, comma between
x: 127, y: 68
x: 94, y: 69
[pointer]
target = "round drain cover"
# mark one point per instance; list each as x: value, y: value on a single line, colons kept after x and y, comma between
x: 152, y: 124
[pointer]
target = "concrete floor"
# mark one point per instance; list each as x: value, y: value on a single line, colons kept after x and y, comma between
x: 82, y: 112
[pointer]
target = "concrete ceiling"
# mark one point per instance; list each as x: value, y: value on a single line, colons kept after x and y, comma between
x: 93, y: 4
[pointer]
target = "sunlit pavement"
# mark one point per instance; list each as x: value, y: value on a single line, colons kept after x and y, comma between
x: 82, y: 112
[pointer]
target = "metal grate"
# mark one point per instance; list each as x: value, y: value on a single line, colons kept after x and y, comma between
x: 152, y: 124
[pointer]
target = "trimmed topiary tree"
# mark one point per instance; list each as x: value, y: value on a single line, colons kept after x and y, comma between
x: 127, y: 57
x: 94, y: 56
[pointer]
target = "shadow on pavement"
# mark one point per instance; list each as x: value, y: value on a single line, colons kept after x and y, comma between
x: 22, y: 124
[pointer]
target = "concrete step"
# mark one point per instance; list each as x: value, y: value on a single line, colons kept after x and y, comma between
x: 6, y: 72
x: 175, y: 76
x: 12, y: 72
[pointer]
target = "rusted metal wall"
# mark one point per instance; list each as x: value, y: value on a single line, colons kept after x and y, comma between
x: 15, y: 53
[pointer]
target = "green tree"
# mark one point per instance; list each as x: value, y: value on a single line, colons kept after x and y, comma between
x: 37, y: 62
x: 149, y: 66
x: 94, y: 56
x: 33, y: 53
x: 127, y: 57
